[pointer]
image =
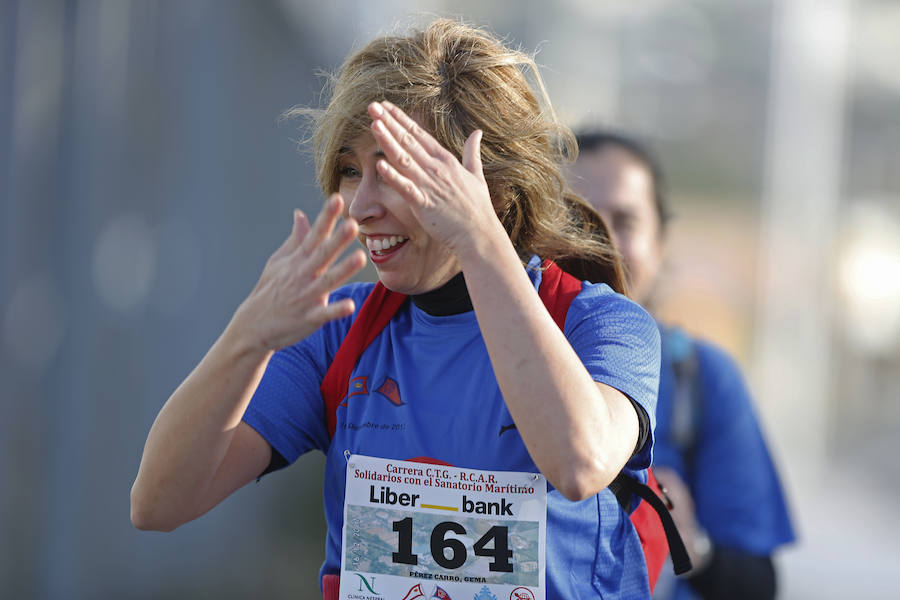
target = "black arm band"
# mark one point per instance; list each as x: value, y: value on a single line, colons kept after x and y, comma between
x: 643, y: 425
x: 276, y: 462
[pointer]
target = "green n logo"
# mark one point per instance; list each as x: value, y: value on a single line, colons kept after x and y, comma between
x: 363, y: 582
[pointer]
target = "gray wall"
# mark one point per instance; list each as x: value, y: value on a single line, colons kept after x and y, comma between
x: 146, y: 179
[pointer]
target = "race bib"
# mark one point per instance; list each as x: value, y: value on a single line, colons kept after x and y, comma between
x: 415, y: 530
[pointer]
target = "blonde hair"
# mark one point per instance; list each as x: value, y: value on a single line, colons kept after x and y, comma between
x: 455, y: 79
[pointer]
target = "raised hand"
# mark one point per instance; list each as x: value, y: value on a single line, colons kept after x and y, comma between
x: 449, y: 198
x: 290, y: 300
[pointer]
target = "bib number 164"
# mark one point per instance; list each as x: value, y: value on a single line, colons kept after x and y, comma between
x: 449, y: 552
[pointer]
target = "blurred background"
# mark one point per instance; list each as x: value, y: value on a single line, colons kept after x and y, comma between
x: 146, y: 177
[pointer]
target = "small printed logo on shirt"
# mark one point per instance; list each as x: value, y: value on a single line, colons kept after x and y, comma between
x: 357, y: 387
x: 389, y: 390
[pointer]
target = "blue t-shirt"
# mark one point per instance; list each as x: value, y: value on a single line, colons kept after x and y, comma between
x: 425, y: 387
x: 737, y: 494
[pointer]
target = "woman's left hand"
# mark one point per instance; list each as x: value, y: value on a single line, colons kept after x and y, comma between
x: 449, y: 198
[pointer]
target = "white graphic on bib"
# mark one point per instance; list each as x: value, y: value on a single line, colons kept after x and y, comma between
x: 418, y: 530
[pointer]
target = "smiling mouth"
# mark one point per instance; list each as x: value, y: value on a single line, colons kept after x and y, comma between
x: 385, y: 245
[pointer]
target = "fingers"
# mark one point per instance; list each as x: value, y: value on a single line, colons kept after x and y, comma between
x: 403, y: 168
x: 299, y: 229
x: 404, y: 186
x: 329, y: 312
x: 471, y: 154
x: 324, y: 225
x: 333, y: 278
x: 394, y: 114
x: 301, y: 226
x: 340, y: 273
x: 416, y: 164
x: 312, y: 250
x: 400, y: 147
x: 412, y: 151
x: 324, y: 242
x: 328, y: 251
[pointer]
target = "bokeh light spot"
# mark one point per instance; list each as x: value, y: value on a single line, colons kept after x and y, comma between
x: 124, y: 262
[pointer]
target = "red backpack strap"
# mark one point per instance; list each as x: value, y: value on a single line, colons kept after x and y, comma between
x: 377, y: 311
x: 655, y: 525
x: 557, y: 290
x: 331, y: 586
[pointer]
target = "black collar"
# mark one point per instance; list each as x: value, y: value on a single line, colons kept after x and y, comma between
x: 452, y: 298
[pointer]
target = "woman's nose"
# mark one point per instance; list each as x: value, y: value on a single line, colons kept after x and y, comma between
x: 365, y: 202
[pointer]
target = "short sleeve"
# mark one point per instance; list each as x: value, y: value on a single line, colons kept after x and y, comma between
x: 618, y: 342
x: 287, y: 407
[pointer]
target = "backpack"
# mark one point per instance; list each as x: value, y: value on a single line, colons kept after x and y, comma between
x: 650, y: 518
x: 688, y: 396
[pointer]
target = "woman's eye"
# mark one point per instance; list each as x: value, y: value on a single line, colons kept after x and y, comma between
x: 626, y: 223
x: 348, y: 171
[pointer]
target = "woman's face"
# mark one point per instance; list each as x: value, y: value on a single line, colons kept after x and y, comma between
x: 407, y: 259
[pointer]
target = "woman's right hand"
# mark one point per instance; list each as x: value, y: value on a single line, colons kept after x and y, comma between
x: 290, y: 301
x: 198, y: 451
